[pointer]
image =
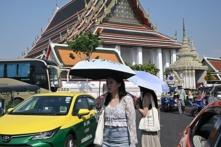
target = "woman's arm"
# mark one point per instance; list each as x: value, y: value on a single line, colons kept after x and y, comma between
x: 145, y: 102
x: 131, y: 120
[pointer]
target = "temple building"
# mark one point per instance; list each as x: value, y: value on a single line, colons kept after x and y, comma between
x: 125, y: 30
x: 214, y: 67
x: 188, y: 70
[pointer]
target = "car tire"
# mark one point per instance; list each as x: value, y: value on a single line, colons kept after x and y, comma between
x: 194, y: 111
x: 166, y: 107
x: 70, y: 141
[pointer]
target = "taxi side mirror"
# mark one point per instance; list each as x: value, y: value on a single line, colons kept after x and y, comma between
x: 9, y: 110
x: 83, y: 112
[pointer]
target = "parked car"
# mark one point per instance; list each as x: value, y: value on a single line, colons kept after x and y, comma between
x: 50, y: 119
x: 215, y: 94
x: 205, y: 129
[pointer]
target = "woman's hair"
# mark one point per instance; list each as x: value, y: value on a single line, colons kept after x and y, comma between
x: 145, y: 91
x: 121, y: 90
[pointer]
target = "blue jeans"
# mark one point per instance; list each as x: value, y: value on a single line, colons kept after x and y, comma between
x: 115, y: 137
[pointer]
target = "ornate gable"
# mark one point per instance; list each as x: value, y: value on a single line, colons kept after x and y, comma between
x: 122, y: 12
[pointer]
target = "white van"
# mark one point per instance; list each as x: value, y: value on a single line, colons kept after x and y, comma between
x: 215, y: 93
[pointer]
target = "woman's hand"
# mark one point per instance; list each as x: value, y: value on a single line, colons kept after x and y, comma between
x: 138, y: 102
x: 98, y: 103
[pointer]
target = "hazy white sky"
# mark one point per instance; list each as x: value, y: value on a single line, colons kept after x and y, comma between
x: 22, y: 20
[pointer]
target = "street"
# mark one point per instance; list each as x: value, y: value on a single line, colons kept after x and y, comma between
x: 172, y: 124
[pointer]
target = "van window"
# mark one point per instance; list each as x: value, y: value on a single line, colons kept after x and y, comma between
x: 1, y: 70
x: 11, y: 70
x: 23, y: 69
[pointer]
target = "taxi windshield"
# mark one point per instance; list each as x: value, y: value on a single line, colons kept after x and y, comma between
x: 44, y: 105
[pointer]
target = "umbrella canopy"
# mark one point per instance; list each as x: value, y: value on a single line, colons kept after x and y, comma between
x: 150, y: 81
x: 100, y: 69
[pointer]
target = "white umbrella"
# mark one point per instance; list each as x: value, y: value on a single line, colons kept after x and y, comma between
x: 150, y: 81
x: 100, y: 69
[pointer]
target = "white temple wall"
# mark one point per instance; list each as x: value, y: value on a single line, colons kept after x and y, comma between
x: 200, y: 76
x: 118, y: 49
x: 146, y: 56
x: 166, y: 60
x: 159, y: 63
x: 139, y: 55
x: 126, y: 54
x: 153, y: 56
x: 173, y: 55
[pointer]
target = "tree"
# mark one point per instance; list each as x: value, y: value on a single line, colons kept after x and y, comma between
x: 148, y: 67
x: 208, y: 76
x: 84, y: 44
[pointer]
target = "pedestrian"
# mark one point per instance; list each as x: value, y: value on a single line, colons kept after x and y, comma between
x: 119, y: 114
x: 190, y: 95
x: 148, y: 139
x: 182, y: 95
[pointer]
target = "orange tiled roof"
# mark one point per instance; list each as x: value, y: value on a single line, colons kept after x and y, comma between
x: 63, y: 56
x: 216, y: 64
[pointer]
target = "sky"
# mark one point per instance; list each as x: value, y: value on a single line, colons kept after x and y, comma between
x: 21, y: 22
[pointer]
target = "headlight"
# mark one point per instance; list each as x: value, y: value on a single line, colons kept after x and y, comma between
x: 45, y: 135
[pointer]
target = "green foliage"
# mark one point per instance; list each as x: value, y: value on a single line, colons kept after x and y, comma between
x: 72, y: 56
x: 209, y: 75
x: 84, y: 44
x: 148, y: 67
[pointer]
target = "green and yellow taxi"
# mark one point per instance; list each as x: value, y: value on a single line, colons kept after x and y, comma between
x: 60, y: 119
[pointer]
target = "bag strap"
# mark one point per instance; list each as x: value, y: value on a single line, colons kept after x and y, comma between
x: 104, y: 99
x: 152, y: 101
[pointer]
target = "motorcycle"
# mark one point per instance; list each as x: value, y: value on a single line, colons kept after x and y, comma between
x: 198, y: 105
x: 169, y: 103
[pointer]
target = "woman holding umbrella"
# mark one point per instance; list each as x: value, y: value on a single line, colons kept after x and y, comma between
x: 148, y: 139
x: 120, y: 126
x: 119, y: 111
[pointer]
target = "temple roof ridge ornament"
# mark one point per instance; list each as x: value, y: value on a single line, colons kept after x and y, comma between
x: 175, y: 35
x: 155, y: 27
x: 85, y: 19
x: 57, y: 5
x: 86, y: 6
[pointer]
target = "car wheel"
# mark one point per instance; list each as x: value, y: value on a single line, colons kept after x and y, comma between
x: 166, y: 107
x: 194, y: 111
x: 70, y: 141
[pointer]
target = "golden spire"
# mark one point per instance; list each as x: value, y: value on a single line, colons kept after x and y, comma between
x: 184, y: 31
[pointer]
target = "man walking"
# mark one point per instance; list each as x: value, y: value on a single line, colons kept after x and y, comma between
x: 182, y: 96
